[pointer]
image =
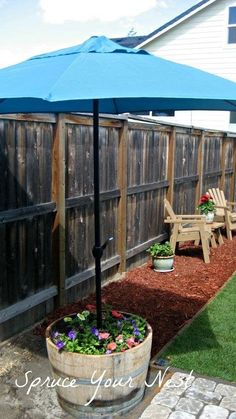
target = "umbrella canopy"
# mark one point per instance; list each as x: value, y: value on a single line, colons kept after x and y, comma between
x: 123, y: 79
x: 100, y: 75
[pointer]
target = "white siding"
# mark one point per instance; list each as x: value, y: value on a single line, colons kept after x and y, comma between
x: 201, y: 41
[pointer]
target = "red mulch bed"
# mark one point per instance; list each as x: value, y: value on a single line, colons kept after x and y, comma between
x: 168, y: 301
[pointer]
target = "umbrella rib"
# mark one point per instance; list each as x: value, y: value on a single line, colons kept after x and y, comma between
x: 61, y: 76
x: 115, y: 106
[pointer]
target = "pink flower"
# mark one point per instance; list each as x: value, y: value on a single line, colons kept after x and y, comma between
x: 111, y: 346
x: 120, y: 339
x: 104, y: 335
x: 130, y: 342
x: 117, y: 314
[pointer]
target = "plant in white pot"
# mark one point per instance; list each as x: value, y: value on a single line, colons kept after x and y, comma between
x: 207, y: 207
x: 162, y: 256
x: 101, y: 373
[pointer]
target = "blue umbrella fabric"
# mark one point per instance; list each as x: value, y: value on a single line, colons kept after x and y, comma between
x: 102, y: 76
x: 123, y: 79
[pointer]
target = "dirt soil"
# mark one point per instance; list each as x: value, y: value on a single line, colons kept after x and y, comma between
x: 167, y: 300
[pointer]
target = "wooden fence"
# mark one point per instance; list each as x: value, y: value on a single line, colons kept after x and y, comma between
x: 46, y: 201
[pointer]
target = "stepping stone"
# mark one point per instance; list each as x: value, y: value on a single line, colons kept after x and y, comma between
x: 156, y: 412
x: 214, y: 412
x: 166, y: 399
x: 181, y: 415
x: 178, y: 383
x: 229, y: 403
x: 226, y: 390
x: 211, y: 397
x: 203, y: 384
x: 189, y: 405
x: 180, y: 377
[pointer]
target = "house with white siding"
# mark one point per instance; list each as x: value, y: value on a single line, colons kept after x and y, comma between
x: 204, y: 37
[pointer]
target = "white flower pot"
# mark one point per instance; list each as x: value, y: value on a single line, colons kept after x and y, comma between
x: 163, y: 263
x: 209, y: 217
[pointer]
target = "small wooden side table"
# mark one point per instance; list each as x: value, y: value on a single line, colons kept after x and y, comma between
x: 215, y: 228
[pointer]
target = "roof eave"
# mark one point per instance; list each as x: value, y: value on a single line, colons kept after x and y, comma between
x: 148, y: 40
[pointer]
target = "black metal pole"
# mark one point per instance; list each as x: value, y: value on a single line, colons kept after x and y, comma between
x: 97, y: 249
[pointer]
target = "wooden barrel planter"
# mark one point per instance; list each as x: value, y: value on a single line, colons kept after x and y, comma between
x: 103, y: 385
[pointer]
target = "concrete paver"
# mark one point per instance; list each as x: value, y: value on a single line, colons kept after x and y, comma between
x: 199, y: 398
x: 156, y: 412
x: 214, y: 412
x: 229, y: 403
x: 189, y: 405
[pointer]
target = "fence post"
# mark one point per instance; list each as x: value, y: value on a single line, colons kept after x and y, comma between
x: 58, y: 195
x: 122, y: 206
x: 223, y: 155
x: 200, y: 158
x: 171, y: 165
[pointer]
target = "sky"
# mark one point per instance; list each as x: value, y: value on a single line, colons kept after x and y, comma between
x: 30, y: 27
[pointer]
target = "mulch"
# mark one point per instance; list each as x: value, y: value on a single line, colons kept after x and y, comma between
x: 167, y: 300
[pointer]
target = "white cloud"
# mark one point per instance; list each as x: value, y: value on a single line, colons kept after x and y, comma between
x: 59, y: 11
x: 7, y: 57
x: 12, y: 55
x: 163, y: 4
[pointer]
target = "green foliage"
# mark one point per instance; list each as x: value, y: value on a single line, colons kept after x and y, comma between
x: 208, y: 345
x: 79, y: 333
x: 206, y: 204
x: 158, y: 249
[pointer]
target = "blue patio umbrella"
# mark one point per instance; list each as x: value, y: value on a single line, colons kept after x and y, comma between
x: 102, y: 76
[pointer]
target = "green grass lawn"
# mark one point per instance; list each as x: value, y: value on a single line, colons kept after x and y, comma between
x: 208, y: 345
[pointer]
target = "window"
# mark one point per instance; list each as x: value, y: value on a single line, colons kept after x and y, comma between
x: 232, y: 118
x: 232, y: 25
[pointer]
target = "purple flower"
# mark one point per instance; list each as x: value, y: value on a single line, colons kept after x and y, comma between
x: 119, y: 323
x: 72, y: 334
x: 136, y: 331
x: 60, y: 344
x: 108, y: 351
x: 55, y: 335
x: 95, y: 331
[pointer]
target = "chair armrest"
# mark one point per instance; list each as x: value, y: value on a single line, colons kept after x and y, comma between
x: 194, y: 216
x: 181, y: 221
x: 231, y: 204
x: 222, y: 207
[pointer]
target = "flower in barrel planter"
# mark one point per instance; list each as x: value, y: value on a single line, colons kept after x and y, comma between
x: 100, y: 372
x: 162, y: 256
x: 79, y: 333
x: 207, y: 207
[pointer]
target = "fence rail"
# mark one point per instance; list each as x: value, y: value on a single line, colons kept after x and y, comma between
x: 46, y: 200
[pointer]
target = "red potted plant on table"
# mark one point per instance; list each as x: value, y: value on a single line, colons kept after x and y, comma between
x: 207, y: 207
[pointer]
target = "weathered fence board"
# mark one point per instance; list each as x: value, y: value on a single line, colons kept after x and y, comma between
x: 186, y: 174
x: 46, y: 200
x: 212, y: 162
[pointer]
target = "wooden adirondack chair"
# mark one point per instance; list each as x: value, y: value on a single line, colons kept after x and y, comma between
x: 225, y: 210
x: 187, y: 228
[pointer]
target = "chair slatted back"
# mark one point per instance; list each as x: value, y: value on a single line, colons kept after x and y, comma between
x: 219, y: 199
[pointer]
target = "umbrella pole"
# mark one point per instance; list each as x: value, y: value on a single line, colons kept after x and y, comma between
x: 97, y: 249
